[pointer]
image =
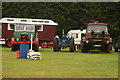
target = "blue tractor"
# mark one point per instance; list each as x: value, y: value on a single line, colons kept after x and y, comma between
x: 63, y: 42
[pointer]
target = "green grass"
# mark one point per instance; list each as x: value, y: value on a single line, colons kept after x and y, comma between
x: 62, y: 64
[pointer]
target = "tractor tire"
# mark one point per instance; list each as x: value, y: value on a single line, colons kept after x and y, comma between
x: 84, y: 48
x: 8, y: 44
x: 55, y: 45
x: 59, y: 48
x: 78, y: 47
x: 109, y: 48
x: 14, y: 47
x: 116, y: 50
x: 72, y: 45
x: 36, y: 48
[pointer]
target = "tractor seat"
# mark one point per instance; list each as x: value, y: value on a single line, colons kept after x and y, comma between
x: 64, y: 37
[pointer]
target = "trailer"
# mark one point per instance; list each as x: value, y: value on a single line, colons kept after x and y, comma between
x: 76, y: 34
x: 45, y: 30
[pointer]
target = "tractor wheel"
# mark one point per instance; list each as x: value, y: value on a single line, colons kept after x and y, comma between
x: 14, y: 47
x: 55, y: 45
x: 72, y: 45
x: 78, y: 47
x: 8, y: 43
x: 84, y: 48
x: 36, y: 48
x: 59, y: 48
x: 108, y: 48
x: 116, y: 50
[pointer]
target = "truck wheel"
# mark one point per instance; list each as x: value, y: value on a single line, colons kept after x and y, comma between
x: 36, y: 48
x: 72, y: 45
x: 8, y: 43
x: 116, y: 50
x: 55, y: 45
x: 14, y: 47
x: 103, y: 49
x: 108, y: 48
x: 84, y: 49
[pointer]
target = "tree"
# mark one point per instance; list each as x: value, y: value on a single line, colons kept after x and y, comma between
x: 69, y: 15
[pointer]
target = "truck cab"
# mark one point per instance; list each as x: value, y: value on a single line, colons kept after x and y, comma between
x: 22, y: 35
x: 96, y: 37
x: 117, y: 44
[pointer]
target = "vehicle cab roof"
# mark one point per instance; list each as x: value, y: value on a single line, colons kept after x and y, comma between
x: 105, y: 24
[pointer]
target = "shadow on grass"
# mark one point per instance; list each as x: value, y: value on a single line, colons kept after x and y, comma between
x: 90, y: 52
x: 97, y: 52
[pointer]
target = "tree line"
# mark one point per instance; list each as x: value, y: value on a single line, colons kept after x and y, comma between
x: 69, y: 15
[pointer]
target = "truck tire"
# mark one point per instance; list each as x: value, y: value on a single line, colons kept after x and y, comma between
x: 72, y: 45
x: 116, y: 50
x: 14, y: 47
x: 55, y: 45
x: 36, y: 48
x: 8, y: 43
x: 84, y: 48
x: 108, y: 48
x: 103, y: 48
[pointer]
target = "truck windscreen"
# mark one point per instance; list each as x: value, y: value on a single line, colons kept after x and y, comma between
x: 24, y: 27
x: 97, y: 28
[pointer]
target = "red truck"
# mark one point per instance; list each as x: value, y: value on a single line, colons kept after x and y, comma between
x: 96, y: 37
x: 46, y: 29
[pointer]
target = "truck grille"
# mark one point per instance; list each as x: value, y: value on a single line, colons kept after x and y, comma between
x: 97, y: 42
x: 24, y: 37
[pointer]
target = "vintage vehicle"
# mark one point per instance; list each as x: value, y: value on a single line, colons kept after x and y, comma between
x: 43, y: 26
x: 117, y: 44
x: 63, y: 42
x: 96, y: 37
x: 22, y: 35
x: 76, y: 34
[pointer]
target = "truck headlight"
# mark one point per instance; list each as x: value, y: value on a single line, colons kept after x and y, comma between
x: 83, y: 38
x: 87, y: 41
x: 107, y: 42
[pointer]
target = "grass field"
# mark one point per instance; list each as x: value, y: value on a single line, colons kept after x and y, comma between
x: 62, y: 64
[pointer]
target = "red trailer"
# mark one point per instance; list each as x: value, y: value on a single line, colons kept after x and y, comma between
x: 46, y: 29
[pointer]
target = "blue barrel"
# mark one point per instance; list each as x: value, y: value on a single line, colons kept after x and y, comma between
x: 23, y: 50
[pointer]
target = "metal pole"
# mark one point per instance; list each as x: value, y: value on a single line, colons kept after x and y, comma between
x: 63, y: 32
x: 31, y: 41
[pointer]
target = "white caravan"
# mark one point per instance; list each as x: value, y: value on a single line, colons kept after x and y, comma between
x: 76, y: 34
